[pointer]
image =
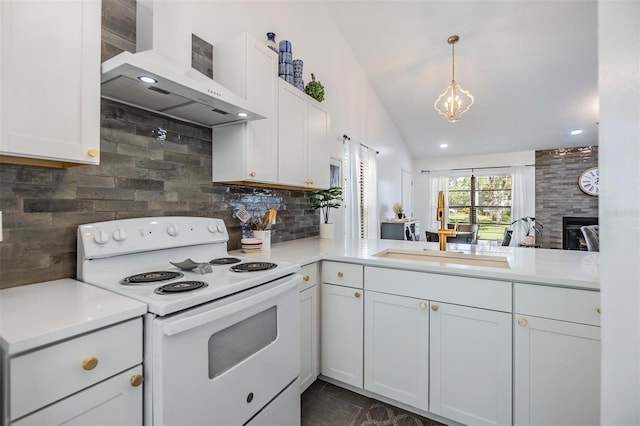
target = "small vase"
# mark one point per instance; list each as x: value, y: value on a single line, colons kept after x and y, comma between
x: 326, y: 230
x: 399, y: 215
x: 271, y: 42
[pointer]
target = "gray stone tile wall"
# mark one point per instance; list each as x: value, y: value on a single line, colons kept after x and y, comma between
x: 139, y: 176
x: 557, y: 191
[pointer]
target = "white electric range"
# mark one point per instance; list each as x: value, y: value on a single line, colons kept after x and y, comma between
x: 221, y: 333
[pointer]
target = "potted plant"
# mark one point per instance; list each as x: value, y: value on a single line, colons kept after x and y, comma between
x: 531, y: 228
x: 326, y: 199
x: 397, y: 209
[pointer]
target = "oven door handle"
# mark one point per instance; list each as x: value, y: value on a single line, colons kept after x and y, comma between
x: 196, y: 320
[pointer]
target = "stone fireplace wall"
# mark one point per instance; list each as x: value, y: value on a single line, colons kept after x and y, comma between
x: 557, y: 191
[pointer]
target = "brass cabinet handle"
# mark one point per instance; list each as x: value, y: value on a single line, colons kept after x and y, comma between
x: 434, y: 307
x: 358, y: 294
x: 598, y: 310
x: 341, y: 274
x: 252, y: 173
x: 305, y: 278
x: 136, y: 380
x: 89, y: 363
x: 423, y: 305
x: 522, y: 322
x: 92, y: 152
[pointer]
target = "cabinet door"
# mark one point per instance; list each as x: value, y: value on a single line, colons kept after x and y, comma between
x: 50, y: 86
x: 262, y: 92
x: 396, y: 348
x: 317, y: 158
x: 292, y: 135
x: 342, y: 334
x: 112, y: 402
x: 470, y: 369
x: 309, y: 366
x: 556, y: 372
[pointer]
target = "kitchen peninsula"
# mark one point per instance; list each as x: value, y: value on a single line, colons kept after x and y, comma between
x: 515, y: 344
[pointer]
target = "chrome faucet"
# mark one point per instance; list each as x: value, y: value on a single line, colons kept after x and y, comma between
x: 443, y: 232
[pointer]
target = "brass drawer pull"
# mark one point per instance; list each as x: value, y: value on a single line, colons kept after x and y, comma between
x: 434, y: 307
x: 340, y: 274
x: 305, y: 278
x: 92, y: 152
x: 136, y: 380
x: 522, y: 322
x: 598, y: 310
x: 423, y: 305
x: 89, y: 363
x: 358, y: 294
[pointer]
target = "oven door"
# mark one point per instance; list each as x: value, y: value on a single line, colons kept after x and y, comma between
x: 221, y: 363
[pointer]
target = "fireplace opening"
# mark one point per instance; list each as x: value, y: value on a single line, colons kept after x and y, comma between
x: 572, y: 238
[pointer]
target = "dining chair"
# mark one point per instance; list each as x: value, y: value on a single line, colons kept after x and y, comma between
x: 592, y: 237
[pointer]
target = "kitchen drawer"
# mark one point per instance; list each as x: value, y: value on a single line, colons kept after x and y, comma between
x: 476, y: 292
x: 565, y: 304
x: 46, y: 375
x: 310, y: 276
x: 345, y: 274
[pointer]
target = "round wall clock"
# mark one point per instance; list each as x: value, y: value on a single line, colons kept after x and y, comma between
x: 589, y: 181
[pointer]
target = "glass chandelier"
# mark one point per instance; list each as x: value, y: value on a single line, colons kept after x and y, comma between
x: 454, y: 101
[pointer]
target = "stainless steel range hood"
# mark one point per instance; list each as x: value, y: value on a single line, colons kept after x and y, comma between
x: 188, y: 96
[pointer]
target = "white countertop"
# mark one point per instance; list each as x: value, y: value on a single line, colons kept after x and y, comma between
x: 38, y: 314
x: 578, y: 269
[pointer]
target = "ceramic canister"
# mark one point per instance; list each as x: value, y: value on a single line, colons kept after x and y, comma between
x: 285, y: 58
x: 284, y: 46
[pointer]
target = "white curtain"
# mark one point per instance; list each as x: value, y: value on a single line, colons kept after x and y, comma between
x: 437, y: 181
x: 523, y: 199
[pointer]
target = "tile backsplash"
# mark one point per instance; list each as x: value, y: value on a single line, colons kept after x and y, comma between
x: 150, y: 166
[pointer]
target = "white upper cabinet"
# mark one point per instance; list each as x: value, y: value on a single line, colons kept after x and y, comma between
x: 303, y: 127
x: 247, y: 151
x: 50, y: 82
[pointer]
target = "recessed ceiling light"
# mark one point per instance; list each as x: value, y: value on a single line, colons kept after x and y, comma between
x: 146, y: 79
x: 242, y: 114
x: 444, y: 145
x: 576, y: 132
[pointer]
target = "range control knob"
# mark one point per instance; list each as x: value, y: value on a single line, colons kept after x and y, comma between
x: 101, y: 237
x: 212, y: 228
x: 119, y: 234
x: 173, y: 230
x: 220, y: 227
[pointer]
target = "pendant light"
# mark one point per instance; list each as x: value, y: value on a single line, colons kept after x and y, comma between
x: 454, y: 101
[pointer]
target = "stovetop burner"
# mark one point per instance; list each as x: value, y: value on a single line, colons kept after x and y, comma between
x: 225, y: 261
x: 152, y: 277
x: 179, y: 287
x: 253, y: 266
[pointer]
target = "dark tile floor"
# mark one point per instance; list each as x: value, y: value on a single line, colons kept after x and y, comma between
x: 324, y: 404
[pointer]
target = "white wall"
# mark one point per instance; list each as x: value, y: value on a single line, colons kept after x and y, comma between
x: 619, y: 162
x: 355, y: 109
x: 461, y: 162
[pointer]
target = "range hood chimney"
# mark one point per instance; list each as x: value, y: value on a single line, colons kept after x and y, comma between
x: 188, y: 96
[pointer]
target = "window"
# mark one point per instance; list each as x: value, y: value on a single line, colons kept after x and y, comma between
x: 485, y: 200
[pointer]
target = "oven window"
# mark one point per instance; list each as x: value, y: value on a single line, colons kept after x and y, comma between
x: 238, y: 342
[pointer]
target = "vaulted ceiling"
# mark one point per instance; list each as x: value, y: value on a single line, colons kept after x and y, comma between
x: 531, y: 66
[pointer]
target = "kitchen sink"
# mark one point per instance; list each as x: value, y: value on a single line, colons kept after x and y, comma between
x: 446, y: 257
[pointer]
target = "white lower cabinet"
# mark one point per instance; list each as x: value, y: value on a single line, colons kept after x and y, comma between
x: 470, y: 364
x: 309, y: 326
x: 557, y: 358
x: 396, y: 346
x: 112, y: 402
x: 342, y: 333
